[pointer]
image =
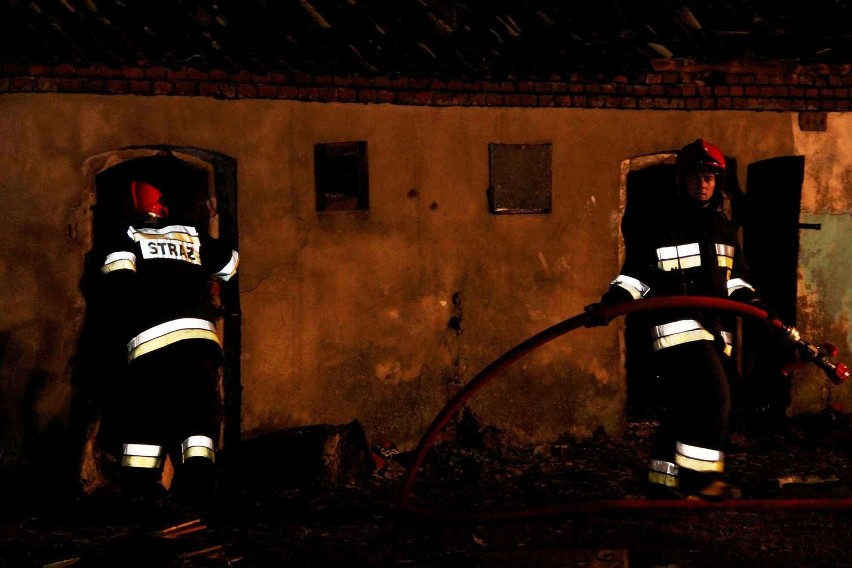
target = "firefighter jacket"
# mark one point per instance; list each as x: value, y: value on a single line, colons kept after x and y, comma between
x: 683, y: 250
x: 158, y: 283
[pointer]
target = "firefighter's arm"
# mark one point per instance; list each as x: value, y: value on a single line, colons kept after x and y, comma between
x: 623, y: 288
x: 119, y: 281
x: 739, y: 287
x: 220, y: 260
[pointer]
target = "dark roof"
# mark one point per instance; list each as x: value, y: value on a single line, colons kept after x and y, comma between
x: 443, y: 38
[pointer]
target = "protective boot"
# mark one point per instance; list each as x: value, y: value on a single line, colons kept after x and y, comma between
x: 196, y: 485
x: 707, y: 486
x: 131, y: 499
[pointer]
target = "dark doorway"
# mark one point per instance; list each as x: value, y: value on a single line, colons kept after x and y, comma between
x: 648, y: 190
x: 207, y: 200
x: 771, y: 247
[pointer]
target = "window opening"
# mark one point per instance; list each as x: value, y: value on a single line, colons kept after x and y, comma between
x: 520, y: 178
x: 340, y: 170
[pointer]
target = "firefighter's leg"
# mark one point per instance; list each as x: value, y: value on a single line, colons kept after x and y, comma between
x: 701, y: 419
x: 142, y: 451
x: 662, y: 475
x: 196, y: 425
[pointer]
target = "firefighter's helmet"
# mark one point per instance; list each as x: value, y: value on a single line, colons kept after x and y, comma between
x: 147, y: 199
x: 699, y: 156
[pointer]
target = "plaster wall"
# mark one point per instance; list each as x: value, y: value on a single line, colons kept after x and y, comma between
x: 345, y: 313
x: 824, y: 305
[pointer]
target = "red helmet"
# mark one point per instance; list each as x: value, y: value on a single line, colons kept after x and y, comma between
x: 699, y: 156
x: 146, y: 199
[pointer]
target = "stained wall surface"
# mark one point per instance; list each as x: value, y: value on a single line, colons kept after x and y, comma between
x: 345, y: 314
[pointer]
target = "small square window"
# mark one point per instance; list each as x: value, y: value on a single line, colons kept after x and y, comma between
x: 340, y: 171
x: 520, y: 178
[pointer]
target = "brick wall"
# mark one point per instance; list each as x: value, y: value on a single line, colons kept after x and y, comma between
x: 671, y: 85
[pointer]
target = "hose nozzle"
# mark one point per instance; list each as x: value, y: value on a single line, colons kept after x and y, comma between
x: 819, y: 355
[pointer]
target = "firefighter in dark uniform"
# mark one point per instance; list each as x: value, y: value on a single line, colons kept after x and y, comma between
x: 689, y: 248
x: 157, y: 274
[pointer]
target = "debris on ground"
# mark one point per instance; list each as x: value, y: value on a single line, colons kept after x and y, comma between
x: 351, y: 519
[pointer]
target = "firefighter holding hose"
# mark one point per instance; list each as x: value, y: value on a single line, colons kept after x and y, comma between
x: 688, y: 247
x: 157, y: 271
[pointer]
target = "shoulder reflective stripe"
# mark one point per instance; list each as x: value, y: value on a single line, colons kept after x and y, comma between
x: 121, y: 260
x: 663, y: 467
x: 168, y: 333
x: 230, y: 269
x: 637, y: 288
x: 679, y: 257
x: 187, y: 229
x: 735, y: 284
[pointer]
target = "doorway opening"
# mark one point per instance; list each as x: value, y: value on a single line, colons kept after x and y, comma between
x: 767, y: 215
x: 207, y: 200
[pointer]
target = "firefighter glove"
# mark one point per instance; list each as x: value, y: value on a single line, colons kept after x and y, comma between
x: 771, y: 314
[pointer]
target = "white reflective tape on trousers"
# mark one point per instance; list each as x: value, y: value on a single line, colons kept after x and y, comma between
x: 699, y: 459
x: 197, y: 446
x: 145, y: 456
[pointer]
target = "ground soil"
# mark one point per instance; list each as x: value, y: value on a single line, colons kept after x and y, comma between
x: 483, y: 501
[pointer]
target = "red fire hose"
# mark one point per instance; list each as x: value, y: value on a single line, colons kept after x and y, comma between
x: 838, y: 373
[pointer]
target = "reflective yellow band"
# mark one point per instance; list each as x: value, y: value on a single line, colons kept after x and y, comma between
x: 699, y: 465
x: 635, y: 287
x: 697, y: 458
x: 168, y: 333
x: 679, y: 257
x: 197, y: 446
x: 663, y: 473
x: 141, y: 461
x: 725, y: 255
x: 142, y: 455
x: 685, y: 262
x: 199, y: 452
x: 725, y: 261
x: 662, y: 479
x: 121, y: 260
x: 678, y: 332
x: 728, y: 338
